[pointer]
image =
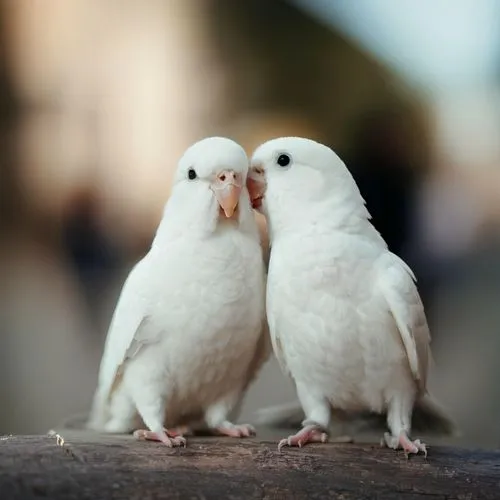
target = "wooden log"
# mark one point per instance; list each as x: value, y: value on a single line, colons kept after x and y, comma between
x: 83, y: 465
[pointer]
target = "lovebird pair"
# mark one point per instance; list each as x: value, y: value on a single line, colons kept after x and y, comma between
x: 200, y: 314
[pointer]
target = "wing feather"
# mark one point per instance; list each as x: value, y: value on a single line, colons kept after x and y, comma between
x: 130, y: 330
x: 398, y: 285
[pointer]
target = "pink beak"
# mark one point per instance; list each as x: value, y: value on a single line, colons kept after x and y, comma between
x: 227, y: 189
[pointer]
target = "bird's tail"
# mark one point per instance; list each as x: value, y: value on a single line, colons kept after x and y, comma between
x: 429, y: 417
x: 98, y: 414
x: 76, y: 421
x: 93, y: 419
x: 285, y: 415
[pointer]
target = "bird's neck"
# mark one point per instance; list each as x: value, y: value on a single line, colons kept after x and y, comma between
x: 340, y: 213
x: 198, y: 231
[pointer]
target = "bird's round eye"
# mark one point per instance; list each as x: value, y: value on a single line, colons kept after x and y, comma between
x: 283, y: 160
x: 192, y: 174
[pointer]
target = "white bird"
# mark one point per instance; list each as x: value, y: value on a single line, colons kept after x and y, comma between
x: 345, y: 317
x: 189, y: 334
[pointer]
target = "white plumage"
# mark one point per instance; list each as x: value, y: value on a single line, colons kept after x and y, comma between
x: 345, y: 317
x: 188, y: 334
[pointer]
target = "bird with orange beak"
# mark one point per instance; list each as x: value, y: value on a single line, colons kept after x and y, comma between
x: 189, y: 333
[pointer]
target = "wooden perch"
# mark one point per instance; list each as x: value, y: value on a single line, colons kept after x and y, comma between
x: 83, y: 465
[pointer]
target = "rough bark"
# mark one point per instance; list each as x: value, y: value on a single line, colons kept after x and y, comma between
x: 80, y: 465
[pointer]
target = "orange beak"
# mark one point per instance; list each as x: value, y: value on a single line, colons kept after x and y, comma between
x: 227, y: 189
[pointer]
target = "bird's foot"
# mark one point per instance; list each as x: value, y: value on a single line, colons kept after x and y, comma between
x: 171, y: 438
x: 404, y: 442
x: 308, y: 434
x: 233, y: 430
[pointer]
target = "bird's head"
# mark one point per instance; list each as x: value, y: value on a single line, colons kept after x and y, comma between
x: 299, y: 177
x: 210, y: 184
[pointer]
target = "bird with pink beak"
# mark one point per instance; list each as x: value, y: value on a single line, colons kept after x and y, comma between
x: 189, y: 332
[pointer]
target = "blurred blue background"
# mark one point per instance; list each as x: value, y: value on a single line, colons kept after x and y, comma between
x: 99, y: 99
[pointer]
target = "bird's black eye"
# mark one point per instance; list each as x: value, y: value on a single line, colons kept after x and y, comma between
x: 192, y: 174
x: 283, y: 160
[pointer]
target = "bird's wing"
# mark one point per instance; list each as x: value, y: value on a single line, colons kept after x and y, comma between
x: 397, y: 284
x: 130, y: 330
x: 278, y: 351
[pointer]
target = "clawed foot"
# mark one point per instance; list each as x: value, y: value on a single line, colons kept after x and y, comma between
x: 309, y: 434
x: 404, y: 442
x: 237, y: 431
x: 171, y: 438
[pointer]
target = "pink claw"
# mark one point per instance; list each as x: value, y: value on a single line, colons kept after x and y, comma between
x: 403, y: 441
x: 237, y: 431
x: 309, y: 434
x: 168, y: 438
x: 412, y: 446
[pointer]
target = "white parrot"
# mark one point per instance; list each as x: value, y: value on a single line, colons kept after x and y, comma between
x: 189, y: 334
x: 345, y: 317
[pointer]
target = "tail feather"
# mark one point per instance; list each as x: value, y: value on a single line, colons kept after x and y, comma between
x: 76, y: 421
x: 429, y: 417
x: 98, y: 413
x: 284, y: 416
x: 94, y: 419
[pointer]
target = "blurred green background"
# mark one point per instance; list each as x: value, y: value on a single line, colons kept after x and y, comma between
x: 99, y: 99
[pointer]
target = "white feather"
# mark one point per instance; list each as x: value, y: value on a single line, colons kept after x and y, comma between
x: 187, y: 334
x: 396, y: 281
x: 345, y: 317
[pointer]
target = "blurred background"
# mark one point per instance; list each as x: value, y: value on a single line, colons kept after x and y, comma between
x: 99, y: 99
